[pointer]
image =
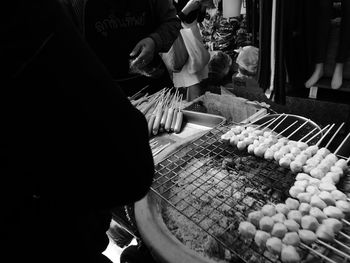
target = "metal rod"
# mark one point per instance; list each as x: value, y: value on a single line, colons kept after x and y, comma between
x: 290, y: 135
x: 341, y: 244
x: 279, y: 123
x: 334, y: 249
x: 344, y: 235
x: 287, y: 128
x: 335, y: 134
x: 317, y: 253
x: 346, y: 222
x: 307, y: 135
x: 342, y: 143
x: 317, y: 134
x: 320, y: 140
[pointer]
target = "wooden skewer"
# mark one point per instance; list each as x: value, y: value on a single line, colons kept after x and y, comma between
x: 320, y: 140
x: 335, y: 134
x: 344, y: 235
x: 317, y: 253
x: 309, y: 140
x: 287, y: 128
x: 279, y: 123
x: 341, y: 244
x: 342, y: 143
x: 266, y: 122
x: 307, y: 135
x: 346, y: 222
x: 137, y: 93
x: 347, y: 162
x: 301, y: 126
x: 273, y: 122
x: 334, y: 249
x: 258, y: 119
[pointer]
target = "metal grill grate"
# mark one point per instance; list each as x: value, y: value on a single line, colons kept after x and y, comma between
x: 215, y: 186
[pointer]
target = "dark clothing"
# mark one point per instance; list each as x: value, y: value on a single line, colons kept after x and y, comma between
x: 68, y: 140
x: 324, y: 11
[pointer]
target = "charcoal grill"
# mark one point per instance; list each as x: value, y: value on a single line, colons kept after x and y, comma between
x: 209, y: 187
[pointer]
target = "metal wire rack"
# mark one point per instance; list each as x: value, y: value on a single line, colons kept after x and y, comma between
x: 212, y: 187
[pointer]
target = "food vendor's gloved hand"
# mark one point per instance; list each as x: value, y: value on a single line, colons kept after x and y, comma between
x: 143, y: 53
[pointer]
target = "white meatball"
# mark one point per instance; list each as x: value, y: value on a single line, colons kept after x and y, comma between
x: 301, y: 183
x: 241, y: 145
x: 250, y: 148
x: 314, y: 181
x: 246, y: 229
x: 282, y: 208
x: 279, y: 230
x: 296, y: 166
x: 302, y: 176
x: 304, y: 208
x: 333, y: 223
x: 318, y: 214
x: 268, y: 210
x: 312, y: 189
x: 302, y: 145
x: 234, y: 140
x: 266, y: 224
x: 291, y: 225
x: 291, y: 238
x: 337, y: 169
x: 307, y: 168
x: 323, y: 151
x: 317, y: 202
x: 309, y: 222
x: 268, y: 155
x: 295, y: 215
x: 333, y: 212
x: 261, y: 237
x: 295, y: 151
x: 327, y: 198
x: 334, y: 176
x: 317, y: 173
x: 278, y: 155
x: 325, y: 233
x: 327, y: 187
x: 226, y: 137
x: 254, y: 217
x: 338, y: 195
x: 285, y: 162
x: 312, y: 149
x: 260, y: 150
x: 274, y: 245
x: 344, y: 206
x: 295, y: 190
x: 279, y: 218
x: 323, y: 167
x: 304, y: 197
x: 342, y: 164
x: 327, y: 180
x: 289, y: 255
x: 306, y: 236
x: 292, y: 203
x: 332, y: 157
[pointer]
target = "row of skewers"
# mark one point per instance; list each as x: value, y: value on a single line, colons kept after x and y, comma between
x: 315, y: 213
x: 162, y: 111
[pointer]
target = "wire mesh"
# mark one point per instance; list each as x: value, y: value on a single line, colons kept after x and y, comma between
x: 211, y: 187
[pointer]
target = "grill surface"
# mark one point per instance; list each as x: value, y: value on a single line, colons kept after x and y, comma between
x: 208, y: 188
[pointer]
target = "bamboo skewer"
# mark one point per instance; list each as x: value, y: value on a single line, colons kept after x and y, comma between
x: 273, y: 129
x: 320, y: 140
x: 335, y: 134
x: 290, y: 135
x: 339, y: 252
x: 307, y: 135
x: 266, y: 122
x: 342, y: 143
x: 309, y: 140
x: 287, y: 128
x: 258, y: 119
x: 317, y: 253
x: 272, y: 122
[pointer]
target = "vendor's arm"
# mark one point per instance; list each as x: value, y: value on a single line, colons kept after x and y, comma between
x: 169, y: 25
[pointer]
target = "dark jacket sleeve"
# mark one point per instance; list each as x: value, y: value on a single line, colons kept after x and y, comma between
x: 168, y: 24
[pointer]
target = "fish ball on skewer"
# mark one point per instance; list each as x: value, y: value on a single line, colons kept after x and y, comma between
x: 241, y: 145
x: 333, y: 176
x: 292, y: 143
x: 302, y: 145
x: 295, y: 190
x: 341, y: 163
x: 309, y: 222
x: 338, y: 195
x: 261, y: 237
x: 283, y: 140
x: 268, y: 155
x: 302, y: 176
x: 302, y: 183
x: 323, y: 167
x: 312, y: 189
x: 254, y: 217
x: 327, y: 187
x: 333, y: 223
x: 327, y: 180
x: 274, y: 245
x: 278, y: 155
x: 246, y: 230
x: 304, y: 208
x: 307, y: 168
x: 337, y: 169
x: 317, y: 202
x: 282, y: 208
x: 325, y: 233
x: 250, y: 149
x: 291, y: 238
x: 312, y: 149
x: 279, y: 218
x: 323, y: 151
x: 292, y: 203
x: 295, y: 215
x: 332, y: 157
x: 304, y: 198
x: 317, y: 213
x: 260, y: 150
x: 314, y: 181
x: 317, y: 173
x: 279, y: 230
x: 306, y: 236
x: 333, y: 212
x: 295, y: 151
x: 344, y: 206
x: 266, y: 224
x: 296, y: 166
x: 234, y: 140
x: 327, y: 198
x: 285, y: 162
x: 268, y: 210
x: 302, y: 157
x: 289, y: 255
x: 291, y: 225
x: 226, y: 137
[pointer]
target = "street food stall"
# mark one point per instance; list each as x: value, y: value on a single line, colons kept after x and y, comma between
x: 247, y: 184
